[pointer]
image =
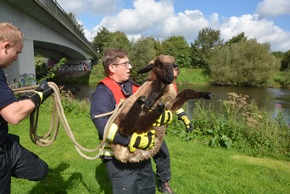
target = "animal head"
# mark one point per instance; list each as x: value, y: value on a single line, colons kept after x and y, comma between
x: 160, y: 68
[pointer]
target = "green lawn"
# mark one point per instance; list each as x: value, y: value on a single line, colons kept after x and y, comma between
x: 196, y: 168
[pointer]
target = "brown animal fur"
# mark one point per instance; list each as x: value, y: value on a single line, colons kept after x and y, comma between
x: 159, y: 94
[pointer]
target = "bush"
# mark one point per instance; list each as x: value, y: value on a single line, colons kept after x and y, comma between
x: 241, y: 125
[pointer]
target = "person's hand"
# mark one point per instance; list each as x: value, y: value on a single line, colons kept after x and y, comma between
x: 183, y: 117
x: 41, y: 93
x: 164, y: 119
x: 144, y: 141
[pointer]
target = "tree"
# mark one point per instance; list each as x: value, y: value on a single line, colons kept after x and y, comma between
x: 118, y: 40
x: 179, y: 49
x: 237, y: 38
x: 144, y: 50
x: 207, y: 40
x: 285, y: 63
x: 278, y: 54
x: 245, y: 63
x: 78, y: 25
x: 101, y: 40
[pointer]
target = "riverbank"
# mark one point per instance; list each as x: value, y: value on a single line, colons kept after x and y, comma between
x: 186, y: 76
x: 199, y: 76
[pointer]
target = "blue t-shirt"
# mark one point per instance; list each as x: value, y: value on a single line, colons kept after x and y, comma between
x: 6, y: 97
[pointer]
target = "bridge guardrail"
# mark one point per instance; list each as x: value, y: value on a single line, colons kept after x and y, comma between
x: 59, y: 13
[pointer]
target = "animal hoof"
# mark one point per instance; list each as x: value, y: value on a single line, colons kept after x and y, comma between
x: 208, y: 95
x: 148, y: 104
x: 160, y: 107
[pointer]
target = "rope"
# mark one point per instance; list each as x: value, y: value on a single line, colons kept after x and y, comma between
x: 58, y: 116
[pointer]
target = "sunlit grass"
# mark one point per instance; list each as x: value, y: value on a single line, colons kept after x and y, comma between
x: 196, y: 168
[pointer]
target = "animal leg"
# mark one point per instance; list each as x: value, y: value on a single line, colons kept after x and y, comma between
x: 145, y: 121
x: 128, y: 123
x: 187, y: 94
x: 158, y: 89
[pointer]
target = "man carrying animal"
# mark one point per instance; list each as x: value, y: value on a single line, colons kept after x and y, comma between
x: 15, y: 160
x: 129, y: 178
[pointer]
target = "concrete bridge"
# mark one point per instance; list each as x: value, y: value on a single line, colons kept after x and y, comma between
x: 48, y: 32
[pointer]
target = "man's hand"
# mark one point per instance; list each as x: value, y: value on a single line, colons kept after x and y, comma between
x: 144, y: 141
x: 164, y: 119
x: 41, y: 93
x: 183, y: 117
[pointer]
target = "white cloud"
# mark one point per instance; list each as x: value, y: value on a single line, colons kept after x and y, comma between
x: 273, y: 7
x: 158, y: 19
x: 150, y: 18
x: 145, y: 16
x: 262, y: 30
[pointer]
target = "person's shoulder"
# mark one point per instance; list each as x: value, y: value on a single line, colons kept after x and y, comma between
x: 102, y: 89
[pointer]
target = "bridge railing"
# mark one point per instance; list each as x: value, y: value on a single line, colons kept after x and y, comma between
x: 55, y: 9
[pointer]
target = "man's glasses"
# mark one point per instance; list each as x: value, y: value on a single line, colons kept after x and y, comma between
x: 125, y: 64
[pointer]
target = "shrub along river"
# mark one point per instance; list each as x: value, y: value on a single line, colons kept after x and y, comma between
x: 268, y: 98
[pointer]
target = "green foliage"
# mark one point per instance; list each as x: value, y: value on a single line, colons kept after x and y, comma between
x: 71, y: 106
x: 238, y: 62
x: 239, y: 124
x: 245, y: 63
x: 237, y: 38
x: 118, y: 40
x: 143, y: 51
x: 285, y: 63
x: 42, y: 73
x: 40, y: 66
x: 101, y: 40
x: 190, y: 76
x: 283, y: 79
x: 97, y: 73
x: 179, y: 49
x: 78, y: 25
x: 278, y: 54
x: 207, y: 39
x: 108, y: 40
x: 193, y: 164
x: 51, y: 74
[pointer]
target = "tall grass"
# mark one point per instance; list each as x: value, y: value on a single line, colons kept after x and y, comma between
x: 239, y: 124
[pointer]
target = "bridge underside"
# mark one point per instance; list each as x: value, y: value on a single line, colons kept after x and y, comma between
x: 51, y: 50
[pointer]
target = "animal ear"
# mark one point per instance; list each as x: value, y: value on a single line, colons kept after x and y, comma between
x: 145, y: 69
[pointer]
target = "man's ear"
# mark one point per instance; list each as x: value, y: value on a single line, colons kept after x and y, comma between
x: 6, y: 45
x: 112, y: 68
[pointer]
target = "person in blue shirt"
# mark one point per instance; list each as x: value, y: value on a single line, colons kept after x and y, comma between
x: 15, y: 160
x: 126, y: 178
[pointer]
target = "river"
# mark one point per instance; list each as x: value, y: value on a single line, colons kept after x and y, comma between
x: 265, y: 97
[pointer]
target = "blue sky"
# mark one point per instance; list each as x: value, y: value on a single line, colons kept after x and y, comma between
x: 264, y: 20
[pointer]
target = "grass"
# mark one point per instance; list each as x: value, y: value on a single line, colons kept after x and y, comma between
x: 192, y: 76
x: 195, y: 167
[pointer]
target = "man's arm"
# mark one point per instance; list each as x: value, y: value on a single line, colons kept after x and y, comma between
x: 17, y: 111
x: 102, y: 102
